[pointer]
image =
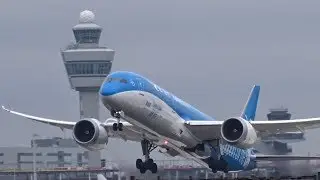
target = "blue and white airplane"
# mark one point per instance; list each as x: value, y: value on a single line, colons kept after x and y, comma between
x: 144, y: 112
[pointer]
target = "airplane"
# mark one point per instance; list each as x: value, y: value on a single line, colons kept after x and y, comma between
x: 144, y: 112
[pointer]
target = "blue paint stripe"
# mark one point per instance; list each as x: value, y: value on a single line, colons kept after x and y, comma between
x: 138, y: 83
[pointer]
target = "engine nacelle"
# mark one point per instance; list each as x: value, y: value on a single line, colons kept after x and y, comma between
x: 89, y: 134
x: 238, y: 132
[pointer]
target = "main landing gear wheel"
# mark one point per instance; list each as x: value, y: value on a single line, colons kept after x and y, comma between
x: 118, y: 125
x: 148, y: 164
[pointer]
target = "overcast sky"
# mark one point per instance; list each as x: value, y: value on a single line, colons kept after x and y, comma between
x: 209, y: 53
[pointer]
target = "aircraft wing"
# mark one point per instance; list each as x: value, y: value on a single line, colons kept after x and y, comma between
x: 129, y: 132
x: 208, y: 130
x: 284, y: 157
x: 271, y: 127
x: 58, y: 123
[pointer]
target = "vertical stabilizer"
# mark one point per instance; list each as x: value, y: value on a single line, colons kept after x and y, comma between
x: 249, y: 110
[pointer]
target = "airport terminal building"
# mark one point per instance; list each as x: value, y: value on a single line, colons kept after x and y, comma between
x: 50, y: 153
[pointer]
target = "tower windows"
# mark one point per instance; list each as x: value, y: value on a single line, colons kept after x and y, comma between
x: 87, y: 35
x: 79, y: 68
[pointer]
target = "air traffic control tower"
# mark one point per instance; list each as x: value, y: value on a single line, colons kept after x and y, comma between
x: 87, y: 63
x: 280, y: 140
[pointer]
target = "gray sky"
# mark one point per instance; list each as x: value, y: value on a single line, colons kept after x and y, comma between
x: 209, y: 53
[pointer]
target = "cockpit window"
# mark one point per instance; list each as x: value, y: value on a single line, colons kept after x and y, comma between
x: 123, y: 81
x: 110, y: 79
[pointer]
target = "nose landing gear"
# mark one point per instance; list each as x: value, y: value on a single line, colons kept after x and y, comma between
x: 118, y: 125
x: 148, y: 164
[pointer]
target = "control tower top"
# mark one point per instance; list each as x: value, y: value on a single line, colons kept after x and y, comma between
x: 279, y: 114
x: 87, y: 63
x: 87, y: 31
x: 86, y: 16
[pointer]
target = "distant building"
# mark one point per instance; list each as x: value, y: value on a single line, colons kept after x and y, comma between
x: 280, y: 140
x: 275, y: 139
x: 279, y: 114
x: 278, y: 143
x: 50, y: 153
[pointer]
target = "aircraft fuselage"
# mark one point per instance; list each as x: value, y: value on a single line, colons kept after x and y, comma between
x: 159, y: 112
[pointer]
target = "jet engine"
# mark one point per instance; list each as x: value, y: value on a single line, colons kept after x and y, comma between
x: 89, y: 134
x: 238, y: 132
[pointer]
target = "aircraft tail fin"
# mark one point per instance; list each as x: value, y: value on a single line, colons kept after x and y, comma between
x: 249, y: 111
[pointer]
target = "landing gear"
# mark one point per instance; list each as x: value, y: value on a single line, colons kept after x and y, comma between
x: 148, y: 164
x: 216, y: 162
x: 118, y: 125
x: 218, y: 165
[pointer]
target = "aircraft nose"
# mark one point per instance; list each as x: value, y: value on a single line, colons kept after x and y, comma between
x: 108, y: 89
x: 108, y: 92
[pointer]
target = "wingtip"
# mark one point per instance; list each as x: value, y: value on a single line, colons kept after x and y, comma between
x: 4, y: 108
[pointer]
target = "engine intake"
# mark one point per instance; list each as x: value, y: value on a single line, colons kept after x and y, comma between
x: 238, y: 132
x: 85, y: 131
x: 89, y: 134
